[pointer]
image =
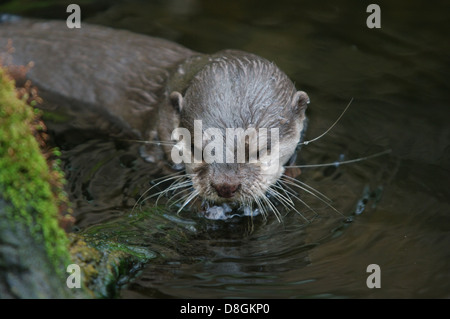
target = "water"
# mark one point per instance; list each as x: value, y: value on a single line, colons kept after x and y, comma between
x: 398, y: 205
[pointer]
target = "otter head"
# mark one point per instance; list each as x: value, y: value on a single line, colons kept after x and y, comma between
x: 243, y: 120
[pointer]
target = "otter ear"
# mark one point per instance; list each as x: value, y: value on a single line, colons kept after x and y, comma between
x: 301, y: 101
x: 176, y: 99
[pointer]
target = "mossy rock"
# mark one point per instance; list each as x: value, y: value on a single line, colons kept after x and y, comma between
x: 34, y: 250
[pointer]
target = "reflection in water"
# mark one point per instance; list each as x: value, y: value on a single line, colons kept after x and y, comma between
x: 398, y: 204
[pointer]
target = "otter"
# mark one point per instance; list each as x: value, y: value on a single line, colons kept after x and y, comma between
x: 120, y: 82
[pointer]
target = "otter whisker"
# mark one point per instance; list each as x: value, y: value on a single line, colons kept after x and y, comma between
x: 172, y: 187
x: 166, y: 176
x: 286, y: 188
x: 278, y: 184
x: 330, y: 128
x: 337, y: 163
x: 287, y: 201
x: 249, y: 203
x: 274, y: 192
x: 303, y: 185
x: 281, y: 186
x: 191, y: 197
x: 311, y: 193
x: 260, y: 205
x: 139, y: 202
x: 193, y: 202
x: 177, y: 184
x: 186, y: 187
x: 273, y: 207
x: 180, y: 184
x: 162, y: 181
x: 181, y: 198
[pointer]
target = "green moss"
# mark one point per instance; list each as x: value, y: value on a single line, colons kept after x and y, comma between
x: 25, y: 179
x: 104, y: 263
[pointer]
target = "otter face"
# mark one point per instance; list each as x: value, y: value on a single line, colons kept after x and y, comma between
x: 243, y: 120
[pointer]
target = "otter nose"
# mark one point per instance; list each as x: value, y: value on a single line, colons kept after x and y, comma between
x: 226, y: 190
